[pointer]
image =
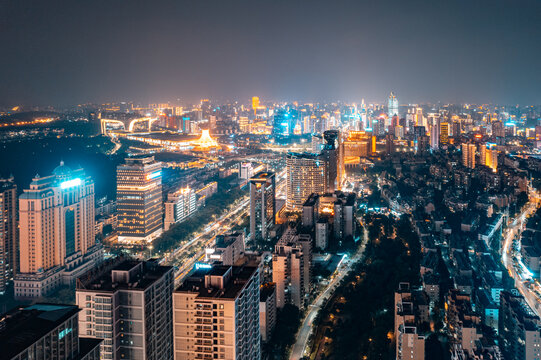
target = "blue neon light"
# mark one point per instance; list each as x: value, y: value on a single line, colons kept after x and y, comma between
x: 70, y: 183
x: 202, y: 266
x: 63, y: 333
x: 155, y: 174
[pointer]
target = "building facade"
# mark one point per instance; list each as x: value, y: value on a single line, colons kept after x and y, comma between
x: 262, y: 204
x: 129, y: 304
x: 306, y: 174
x: 139, y: 200
x: 179, y: 205
x: 56, y: 231
x: 216, y: 314
x: 9, y: 244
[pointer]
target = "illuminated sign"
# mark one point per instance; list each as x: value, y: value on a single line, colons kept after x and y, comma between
x: 202, y: 266
x: 70, y: 183
x: 154, y: 175
x: 63, y: 333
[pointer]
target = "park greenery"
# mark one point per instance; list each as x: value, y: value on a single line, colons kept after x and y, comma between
x: 357, y: 322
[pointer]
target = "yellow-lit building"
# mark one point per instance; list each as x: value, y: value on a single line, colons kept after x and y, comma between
x: 444, y: 133
x: 139, y: 200
x: 306, y: 174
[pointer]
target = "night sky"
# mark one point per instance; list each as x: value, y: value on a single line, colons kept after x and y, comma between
x: 77, y: 51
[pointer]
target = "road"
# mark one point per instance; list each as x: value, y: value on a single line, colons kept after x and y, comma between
x: 531, y: 294
x: 217, y: 227
x: 305, y: 330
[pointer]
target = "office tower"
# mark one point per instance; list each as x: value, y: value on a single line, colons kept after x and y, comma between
x: 419, y: 118
x: 399, y: 132
x: 244, y: 124
x: 267, y: 310
x: 45, y: 331
x: 56, y: 228
x: 228, y: 249
x: 139, y: 199
x: 262, y: 204
x: 492, y: 159
x: 444, y: 133
x: 291, y: 268
x: 358, y: 144
x: 9, y: 245
x: 216, y: 314
x: 129, y: 304
x: 434, y: 136
x: 306, y: 174
x: 334, y: 158
x: 179, y: 205
x: 409, y: 344
x: 255, y: 104
x: 284, y: 122
x: 392, y: 107
x: 468, y: 155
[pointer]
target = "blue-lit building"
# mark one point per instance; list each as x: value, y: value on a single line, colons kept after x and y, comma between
x: 285, y: 121
x: 57, y: 233
x: 139, y: 200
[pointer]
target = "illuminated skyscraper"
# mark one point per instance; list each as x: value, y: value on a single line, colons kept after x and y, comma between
x: 139, y: 199
x: 333, y: 155
x: 306, y: 174
x: 57, y: 240
x: 262, y: 204
x: 444, y: 133
x: 255, y: 104
x: 468, y: 155
x: 9, y: 246
x: 392, y: 106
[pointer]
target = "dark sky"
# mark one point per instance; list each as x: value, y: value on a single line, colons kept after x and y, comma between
x: 69, y: 52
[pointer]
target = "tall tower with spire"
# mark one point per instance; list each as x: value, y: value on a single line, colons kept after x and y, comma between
x: 392, y: 106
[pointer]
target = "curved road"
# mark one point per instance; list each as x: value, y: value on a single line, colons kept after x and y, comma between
x: 305, y: 330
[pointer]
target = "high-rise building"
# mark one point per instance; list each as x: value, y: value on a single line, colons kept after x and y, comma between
x: 306, y: 174
x: 9, y: 245
x: 468, y: 155
x: 434, y: 136
x: 262, y: 204
x: 57, y: 232
x: 255, y: 104
x: 179, y: 205
x: 392, y: 107
x: 291, y: 268
x: 267, y: 310
x: 139, y: 199
x: 246, y: 170
x: 216, y: 314
x: 129, y: 304
x: 444, y: 133
x: 228, y: 249
x: 45, y: 331
x: 333, y: 155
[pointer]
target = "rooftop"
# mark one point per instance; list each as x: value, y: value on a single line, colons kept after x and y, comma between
x: 23, y: 326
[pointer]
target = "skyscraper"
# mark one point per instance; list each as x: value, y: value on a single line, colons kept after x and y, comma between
x: 9, y: 245
x: 262, y: 204
x: 392, y: 107
x: 291, y: 268
x: 129, y: 304
x: 139, y: 199
x: 57, y: 241
x: 444, y: 133
x: 468, y: 155
x: 333, y: 156
x: 216, y: 314
x: 306, y: 174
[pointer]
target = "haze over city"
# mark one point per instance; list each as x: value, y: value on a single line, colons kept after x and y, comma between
x: 67, y: 53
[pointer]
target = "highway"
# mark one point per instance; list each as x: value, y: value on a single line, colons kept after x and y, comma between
x: 299, y: 348
x: 531, y: 293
